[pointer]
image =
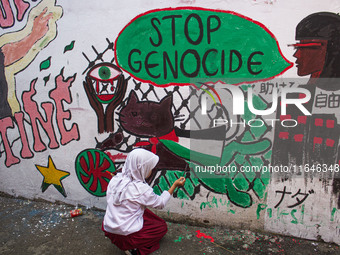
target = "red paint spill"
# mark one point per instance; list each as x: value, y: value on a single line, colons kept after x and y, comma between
x: 199, y: 235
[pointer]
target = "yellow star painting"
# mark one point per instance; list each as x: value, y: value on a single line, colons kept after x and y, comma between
x: 53, y: 176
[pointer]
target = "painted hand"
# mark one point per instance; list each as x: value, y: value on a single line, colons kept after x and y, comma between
x: 40, y: 24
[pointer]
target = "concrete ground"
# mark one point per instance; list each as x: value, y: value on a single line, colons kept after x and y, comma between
x: 36, y: 227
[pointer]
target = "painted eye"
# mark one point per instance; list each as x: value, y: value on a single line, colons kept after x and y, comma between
x: 104, y: 79
x: 104, y: 73
x: 134, y: 114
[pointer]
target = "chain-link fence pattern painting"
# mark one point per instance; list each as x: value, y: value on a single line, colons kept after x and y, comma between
x: 241, y: 188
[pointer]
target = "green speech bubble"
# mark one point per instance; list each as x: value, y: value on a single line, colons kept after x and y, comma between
x: 176, y: 46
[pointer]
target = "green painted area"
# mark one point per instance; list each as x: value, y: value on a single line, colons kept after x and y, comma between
x: 334, y: 210
x: 179, y: 239
x: 163, y: 184
x: 45, y: 64
x: 248, y: 115
x: 211, y: 204
x: 258, y: 131
x: 176, y: 45
x: 104, y: 73
x: 251, y: 176
x: 189, y: 187
x: 235, y: 188
x: 260, y: 207
x: 268, y: 155
x: 46, y: 79
x: 214, y: 203
x: 92, y: 167
x: 259, y: 188
x: 295, y: 220
x: 241, y: 183
x: 239, y: 159
x: 247, y: 136
x: 157, y: 190
x: 181, y: 194
x: 251, y: 151
x: 170, y: 176
x: 69, y: 47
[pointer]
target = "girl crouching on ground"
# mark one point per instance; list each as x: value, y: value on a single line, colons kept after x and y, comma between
x: 127, y: 222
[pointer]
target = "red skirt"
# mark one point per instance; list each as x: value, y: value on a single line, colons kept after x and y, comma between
x: 145, y: 240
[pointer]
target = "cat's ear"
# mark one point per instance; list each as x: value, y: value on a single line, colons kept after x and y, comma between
x: 167, y: 102
x: 133, y: 99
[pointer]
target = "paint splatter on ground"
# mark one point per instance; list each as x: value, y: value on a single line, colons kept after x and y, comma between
x: 199, y: 235
x: 193, y: 240
x: 179, y: 239
x: 36, y: 227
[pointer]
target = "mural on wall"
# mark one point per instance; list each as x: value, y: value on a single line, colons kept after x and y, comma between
x: 156, y: 54
x: 7, y: 18
x: 94, y: 169
x: 313, y: 143
x: 105, y: 85
x: 46, y: 120
x: 20, y: 48
x: 152, y: 122
x: 52, y: 176
x: 192, y: 85
x: 156, y: 121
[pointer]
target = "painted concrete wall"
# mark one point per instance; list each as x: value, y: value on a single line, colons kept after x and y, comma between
x: 84, y: 83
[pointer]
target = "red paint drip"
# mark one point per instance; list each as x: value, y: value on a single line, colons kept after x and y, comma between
x: 199, y: 235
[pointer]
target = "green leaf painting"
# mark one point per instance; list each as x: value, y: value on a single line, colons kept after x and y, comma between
x: 69, y: 47
x: 45, y: 64
x: 46, y: 79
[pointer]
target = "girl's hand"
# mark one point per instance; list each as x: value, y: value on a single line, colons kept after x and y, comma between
x: 180, y: 182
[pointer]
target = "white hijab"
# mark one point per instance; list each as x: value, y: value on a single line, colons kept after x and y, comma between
x: 130, y: 183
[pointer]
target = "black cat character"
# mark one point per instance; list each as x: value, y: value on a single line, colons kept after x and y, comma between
x: 150, y: 121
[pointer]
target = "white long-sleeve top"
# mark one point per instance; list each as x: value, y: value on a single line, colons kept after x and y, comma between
x: 127, y: 218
